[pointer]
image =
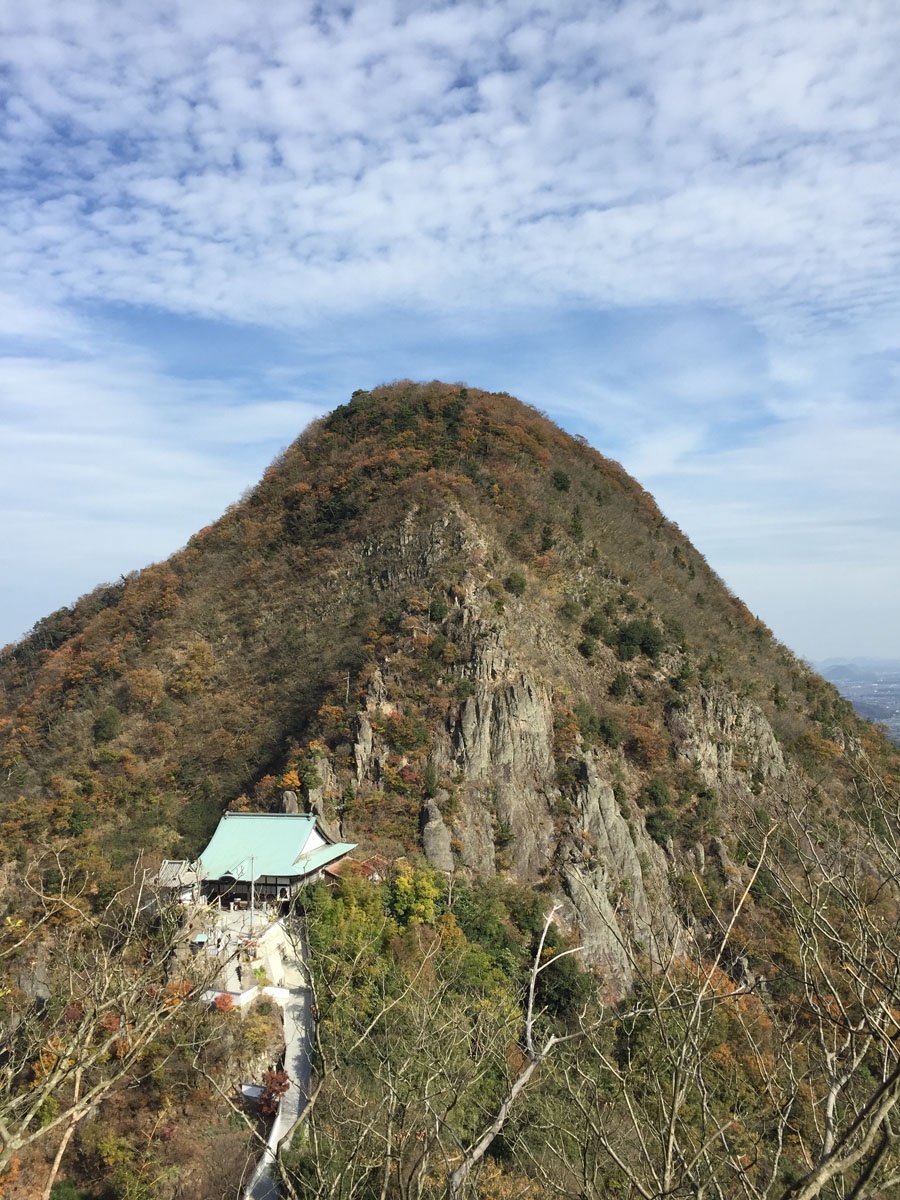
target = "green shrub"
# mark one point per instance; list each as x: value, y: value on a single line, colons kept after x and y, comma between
x: 764, y: 886
x: 515, y: 583
x: 563, y: 987
x: 414, y: 893
x: 429, y: 781
x: 588, y: 721
x: 655, y: 794
x: 503, y: 835
x: 597, y: 729
x: 675, y: 630
x: 437, y: 609
x: 586, y: 647
x: 406, y: 734
x: 106, y: 726
x: 596, y: 625
x: 438, y: 645
x: 706, y: 810
x: 620, y: 685
x: 66, y: 1190
x: 662, y: 824
x: 561, y: 480
x: 683, y: 678
x: 611, y: 732
x: 638, y: 636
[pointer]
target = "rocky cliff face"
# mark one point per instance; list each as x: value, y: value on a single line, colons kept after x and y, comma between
x: 729, y: 739
x: 503, y: 800
x: 496, y: 752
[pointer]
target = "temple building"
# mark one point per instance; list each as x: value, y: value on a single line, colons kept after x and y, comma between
x: 276, y: 852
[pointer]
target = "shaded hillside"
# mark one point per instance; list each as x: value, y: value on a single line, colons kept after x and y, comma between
x: 442, y: 618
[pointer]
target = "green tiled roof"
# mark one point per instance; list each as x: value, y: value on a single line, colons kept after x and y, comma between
x: 265, y: 844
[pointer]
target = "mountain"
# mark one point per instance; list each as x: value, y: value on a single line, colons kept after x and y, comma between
x: 455, y: 628
x: 629, y: 834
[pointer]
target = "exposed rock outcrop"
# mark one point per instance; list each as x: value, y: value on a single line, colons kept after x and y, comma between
x: 729, y: 739
x: 497, y: 750
x: 436, y: 840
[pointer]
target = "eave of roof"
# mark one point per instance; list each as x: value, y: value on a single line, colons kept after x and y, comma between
x: 322, y: 856
x: 247, y: 845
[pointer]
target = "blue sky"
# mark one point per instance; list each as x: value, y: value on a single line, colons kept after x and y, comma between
x: 674, y: 227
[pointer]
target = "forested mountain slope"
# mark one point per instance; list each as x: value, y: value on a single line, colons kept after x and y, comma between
x: 468, y: 638
x: 430, y: 582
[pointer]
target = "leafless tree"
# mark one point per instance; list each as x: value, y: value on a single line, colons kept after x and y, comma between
x: 775, y: 1082
x: 86, y: 990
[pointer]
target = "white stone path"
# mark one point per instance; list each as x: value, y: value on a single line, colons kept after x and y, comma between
x: 228, y: 934
x: 296, y: 1003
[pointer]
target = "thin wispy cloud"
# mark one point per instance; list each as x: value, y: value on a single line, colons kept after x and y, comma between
x: 688, y: 209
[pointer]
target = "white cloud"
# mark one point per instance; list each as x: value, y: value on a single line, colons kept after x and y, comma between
x: 237, y: 165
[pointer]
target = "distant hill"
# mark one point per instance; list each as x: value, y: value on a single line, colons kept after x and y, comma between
x: 865, y: 663
x: 872, y: 685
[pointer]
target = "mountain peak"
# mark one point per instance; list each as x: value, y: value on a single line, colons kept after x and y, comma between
x: 453, y: 628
